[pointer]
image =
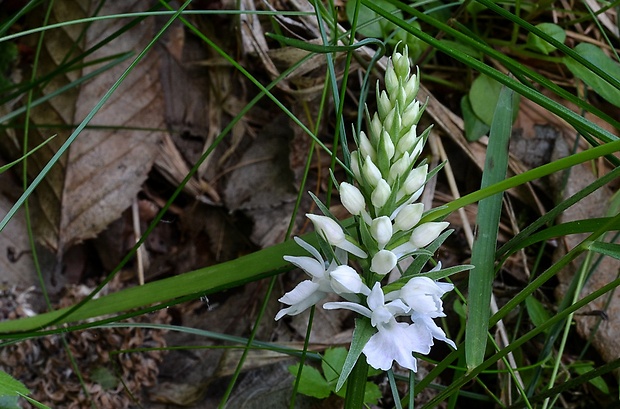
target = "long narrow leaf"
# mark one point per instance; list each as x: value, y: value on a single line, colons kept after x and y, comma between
x: 261, y: 264
x: 487, y: 222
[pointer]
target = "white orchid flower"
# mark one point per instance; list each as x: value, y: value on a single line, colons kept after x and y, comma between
x: 424, y: 295
x: 339, y: 279
x: 393, y: 341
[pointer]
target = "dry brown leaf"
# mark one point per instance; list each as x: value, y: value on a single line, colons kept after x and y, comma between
x: 15, y: 260
x: 261, y: 184
x: 606, y: 336
x: 104, y: 168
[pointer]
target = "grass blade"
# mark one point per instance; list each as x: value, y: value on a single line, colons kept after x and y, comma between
x: 483, y: 252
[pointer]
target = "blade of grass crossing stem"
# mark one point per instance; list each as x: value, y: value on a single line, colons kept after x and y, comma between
x: 487, y: 222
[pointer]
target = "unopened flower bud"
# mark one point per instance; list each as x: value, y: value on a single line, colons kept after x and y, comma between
x: 383, y: 262
x: 415, y: 180
x: 401, y: 63
x: 387, y: 146
x: 371, y: 172
x: 407, y: 141
x: 355, y: 165
x: 327, y: 228
x: 384, y: 106
x: 334, y: 235
x: 381, y: 194
x: 352, y: 199
x: 399, y: 168
x: 417, y: 150
x: 345, y: 280
x: 366, y: 148
x: 408, y: 216
x: 412, y: 86
x: 424, y: 234
x: 411, y: 114
x: 392, y: 122
x: 381, y: 230
x: 375, y: 128
x: 391, y: 80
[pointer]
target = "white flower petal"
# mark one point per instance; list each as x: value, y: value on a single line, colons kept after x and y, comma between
x: 397, y: 307
x: 404, y: 250
x: 311, y: 266
x: 376, y: 298
x: 415, y: 180
x: 396, y: 342
x: 423, y: 295
x: 346, y: 305
x: 371, y: 172
x: 300, y: 298
x: 306, y: 246
x: 366, y: 148
x: 432, y: 328
x: 351, y: 248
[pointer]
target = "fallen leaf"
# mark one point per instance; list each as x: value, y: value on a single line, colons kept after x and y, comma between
x: 605, y: 334
x: 104, y: 168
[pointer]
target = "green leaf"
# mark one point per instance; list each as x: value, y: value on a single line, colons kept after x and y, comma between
x: 333, y: 361
x: 370, y: 24
x: 416, y: 46
x: 463, y: 48
x: 104, y: 377
x: 474, y: 127
x: 597, y: 57
x: 487, y: 224
x: 536, y: 43
x: 608, y: 249
x: 597, y: 382
x: 312, y: 383
x: 35, y: 403
x: 361, y: 334
x: 372, y: 394
x: 10, y: 386
x: 537, y: 312
x: 484, y: 96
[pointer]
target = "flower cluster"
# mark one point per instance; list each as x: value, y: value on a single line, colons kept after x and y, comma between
x: 387, y: 183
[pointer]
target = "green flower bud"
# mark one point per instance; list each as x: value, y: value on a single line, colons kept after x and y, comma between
x: 411, y: 114
x: 384, y: 106
x: 407, y: 142
x: 391, y: 80
x: 401, y: 63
